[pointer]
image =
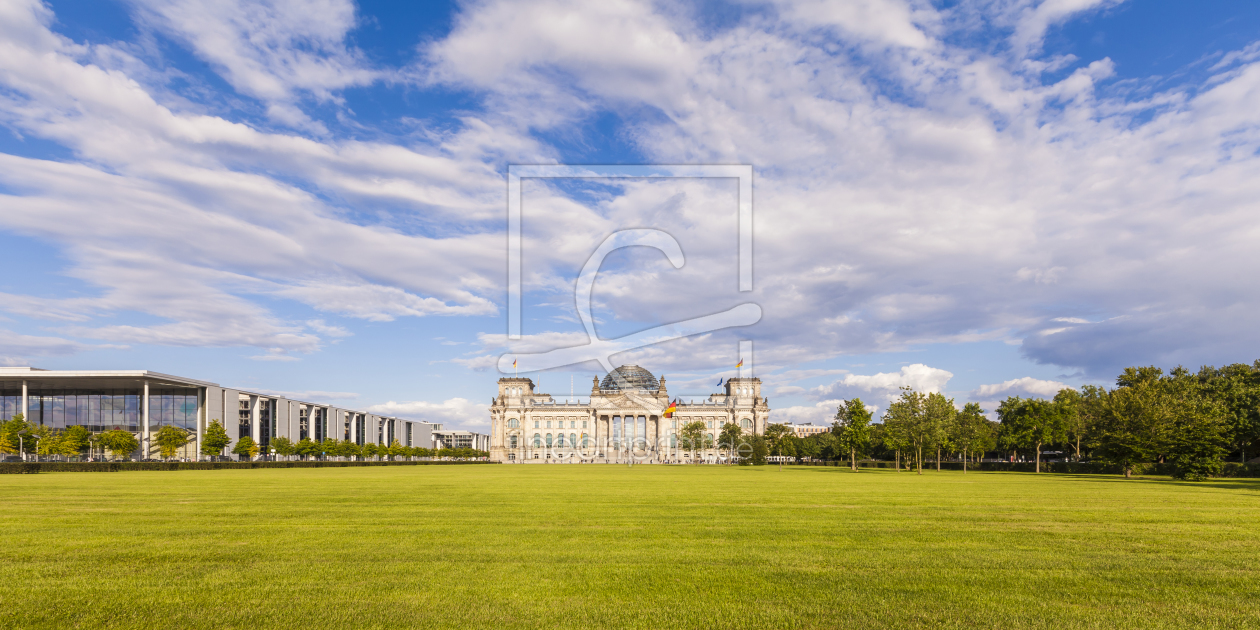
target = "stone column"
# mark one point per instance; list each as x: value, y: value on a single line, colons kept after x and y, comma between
x: 26, y: 404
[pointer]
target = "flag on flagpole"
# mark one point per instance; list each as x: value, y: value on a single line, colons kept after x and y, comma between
x: 740, y: 364
x: 719, y: 381
x: 669, y: 411
x: 513, y: 362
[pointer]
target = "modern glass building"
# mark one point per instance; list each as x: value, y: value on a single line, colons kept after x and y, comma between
x: 142, y: 402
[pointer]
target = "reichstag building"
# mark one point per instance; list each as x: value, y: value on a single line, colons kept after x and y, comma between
x: 623, y: 420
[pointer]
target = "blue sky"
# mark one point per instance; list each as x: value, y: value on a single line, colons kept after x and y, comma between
x: 985, y: 198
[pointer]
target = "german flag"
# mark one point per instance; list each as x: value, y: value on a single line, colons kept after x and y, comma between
x: 740, y: 364
x: 669, y: 411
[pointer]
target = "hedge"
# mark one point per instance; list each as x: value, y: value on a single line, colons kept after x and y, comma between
x: 33, y: 467
x: 1232, y: 469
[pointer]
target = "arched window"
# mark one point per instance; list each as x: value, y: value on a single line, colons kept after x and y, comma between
x: 537, y: 440
x: 512, y: 423
x: 548, y: 440
x: 745, y: 423
x: 586, y: 440
x: 512, y: 442
x: 560, y: 440
x: 572, y: 439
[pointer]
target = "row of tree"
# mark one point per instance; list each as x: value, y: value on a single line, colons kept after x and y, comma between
x: 1189, y: 420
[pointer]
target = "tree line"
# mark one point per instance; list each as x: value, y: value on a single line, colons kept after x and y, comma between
x: 17, y: 435
x: 1191, y: 421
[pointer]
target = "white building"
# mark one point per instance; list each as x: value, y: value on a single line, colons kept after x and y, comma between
x: 807, y: 429
x: 622, y: 420
x: 142, y: 402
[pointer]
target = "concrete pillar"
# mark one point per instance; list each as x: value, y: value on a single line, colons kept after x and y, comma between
x: 144, y: 422
x: 201, y: 420
x: 26, y: 404
x: 254, y: 423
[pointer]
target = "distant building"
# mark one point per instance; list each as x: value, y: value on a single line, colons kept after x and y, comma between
x: 624, y: 419
x: 142, y: 402
x: 461, y: 439
x: 807, y: 429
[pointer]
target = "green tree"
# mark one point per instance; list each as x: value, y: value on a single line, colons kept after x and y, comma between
x: 971, y: 431
x: 215, y: 439
x: 170, y: 439
x: 11, y: 429
x: 47, y: 441
x: 692, y: 436
x: 246, y: 447
x: 120, y: 443
x: 909, y: 416
x: 8, y: 445
x: 730, y: 438
x: 283, y: 446
x: 370, y: 449
x: 939, y: 414
x: 1134, y: 425
x: 776, y: 436
x: 1236, y: 388
x: 306, y: 447
x: 75, y: 440
x: 760, y: 450
x: 1032, y: 422
x: 330, y: 447
x: 852, y: 429
x: 349, y: 449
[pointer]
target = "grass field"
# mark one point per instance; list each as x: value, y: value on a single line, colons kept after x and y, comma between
x: 613, y: 547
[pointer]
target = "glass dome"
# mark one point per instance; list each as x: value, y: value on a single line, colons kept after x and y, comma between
x: 630, y: 377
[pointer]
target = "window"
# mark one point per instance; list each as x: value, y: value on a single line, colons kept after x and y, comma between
x: 548, y: 424
x: 512, y: 423
x: 548, y: 440
x: 572, y: 439
x: 535, y: 424
x: 560, y: 440
x: 745, y: 423
x: 537, y: 440
x: 583, y: 424
x: 512, y: 442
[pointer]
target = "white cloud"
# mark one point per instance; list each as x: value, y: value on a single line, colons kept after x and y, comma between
x: 821, y: 413
x: 452, y: 413
x: 270, y: 50
x: 918, y: 376
x: 1019, y: 386
x: 18, y: 350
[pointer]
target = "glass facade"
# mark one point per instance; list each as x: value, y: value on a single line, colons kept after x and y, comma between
x: 244, y: 427
x: 103, y: 409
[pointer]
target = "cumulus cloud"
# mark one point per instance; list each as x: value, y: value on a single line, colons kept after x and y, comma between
x: 452, y: 413
x: 920, y: 377
x: 1026, y: 386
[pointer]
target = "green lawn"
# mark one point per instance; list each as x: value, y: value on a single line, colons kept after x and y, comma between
x: 609, y: 547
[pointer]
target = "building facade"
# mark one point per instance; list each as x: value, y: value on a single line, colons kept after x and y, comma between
x: 142, y: 402
x: 623, y: 420
x: 460, y: 439
x: 807, y: 429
